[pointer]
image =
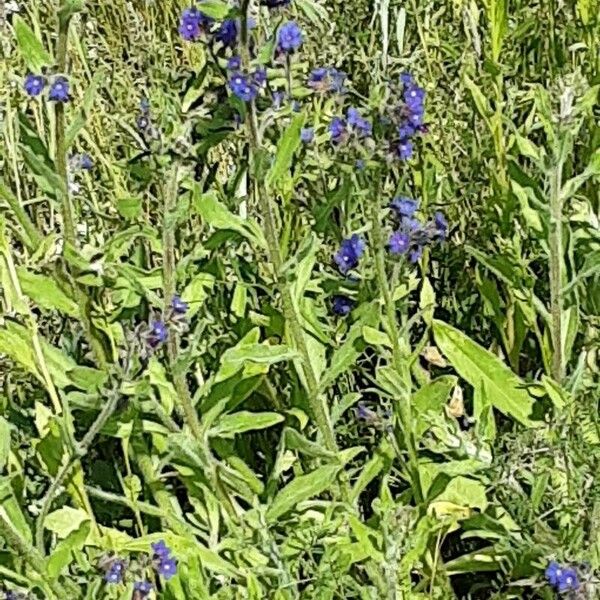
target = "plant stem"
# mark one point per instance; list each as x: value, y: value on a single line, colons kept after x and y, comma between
x: 79, y: 452
x: 290, y: 310
x: 398, y: 359
x: 556, y: 259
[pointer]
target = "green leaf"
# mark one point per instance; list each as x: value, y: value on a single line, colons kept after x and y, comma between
x: 4, y: 442
x: 466, y: 492
x: 218, y: 216
x: 259, y: 353
x: 215, y: 9
x: 65, y: 521
x: 129, y: 207
x: 300, y: 489
x: 288, y: 144
x: 480, y: 367
x: 375, y: 337
x: 30, y: 46
x: 479, y: 99
x: 62, y: 553
x: 46, y: 293
x: 242, y: 421
x: 431, y: 397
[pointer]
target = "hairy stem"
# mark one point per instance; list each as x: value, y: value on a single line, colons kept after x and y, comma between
x: 399, y: 360
x: 290, y: 310
x: 556, y: 259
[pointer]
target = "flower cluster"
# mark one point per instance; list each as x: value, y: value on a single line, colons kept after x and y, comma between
x: 141, y: 589
x: 246, y: 87
x: 349, y: 254
x: 59, y: 87
x: 115, y: 571
x: 158, y: 331
x: 327, y: 80
x: 412, y: 235
x: 411, y: 116
x: 340, y: 129
x: 193, y: 23
x: 563, y: 579
x: 163, y: 562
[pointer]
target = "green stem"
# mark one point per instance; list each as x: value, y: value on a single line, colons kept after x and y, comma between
x: 556, y: 259
x: 290, y: 311
x: 399, y: 360
x: 33, y: 237
x: 79, y: 452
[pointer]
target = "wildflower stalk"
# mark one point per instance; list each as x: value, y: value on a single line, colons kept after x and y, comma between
x: 399, y: 360
x: 66, y: 206
x: 169, y: 284
x: 290, y: 313
x: 556, y: 258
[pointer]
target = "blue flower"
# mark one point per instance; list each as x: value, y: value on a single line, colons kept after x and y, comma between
x: 553, y: 573
x: 404, y: 150
x: 192, y: 24
x: 227, y: 32
x: 234, y: 63
x: 441, y: 225
x: 358, y: 123
x: 34, y: 84
x: 242, y: 87
x: 568, y: 580
x: 85, y: 162
x: 167, y: 567
x: 350, y: 251
x: 341, y: 305
x: 399, y: 242
x: 307, y: 135
x: 338, y: 130
x: 115, y: 572
x: 59, y: 90
x: 325, y: 79
x: 178, y: 306
x: 143, y: 588
x: 260, y: 76
x: 407, y: 79
x: 160, y: 549
x: 414, y: 98
x: 415, y: 254
x: 405, y: 207
x: 406, y: 130
x: 158, y: 334
x: 289, y: 37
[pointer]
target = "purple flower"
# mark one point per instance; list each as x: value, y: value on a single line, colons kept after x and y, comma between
x: 307, y: 135
x: 34, y: 84
x: 404, y: 150
x: 234, y: 63
x: 325, y: 79
x: 143, y: 588
x: 415, y: 254
x: 406, y: 130
x: 399, y: 242
x: 441, y: 225
x: 553, y: 573
x: 289, y: 37
x: 414, y: 97
x: 568, y: 580
x: 405, y: 207
x: 192, y: 23
x: 178, y: 306
x: 227, y: 32
x: 160, y: 549
x: 59, y: 90
x: 350, y: 251
x: 358, y: 123
x: 242, y: 87
x: 158, y: 334
x: 85, y: 162
x: 260, y: 76
x: 278, y: 98
x: 167, y: 567
x: 115, y: 572
x: 406, y: 79
x: 341, y: 305
x: 338, y: 130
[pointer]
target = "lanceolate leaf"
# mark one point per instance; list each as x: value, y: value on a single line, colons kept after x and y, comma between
x: 31, y: 47
x: 506, y: 391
